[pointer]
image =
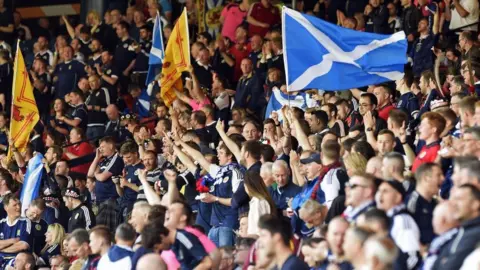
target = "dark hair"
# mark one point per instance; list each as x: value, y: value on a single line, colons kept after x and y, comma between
x: 254, y: 148
x: 126, y: 232
x: 268, y: 153
x: 186, y: 210
x: 364, y: 148
x: 276, y: 225
x: 256, y: 188
x: 124, y: 25
x: 108, y: 139
x: 371, y: 97
x: 377, y: 215
x: 200, y: 117
x: 474, y: 191
x: 57, y: 150
x: 5, y: 174
x: 322, y: 116
x: 80, y: 236
x: 348, y: 144
x: 152, y: 234
x: 157, y: 212
x: 79, y: 93
x: 129, y: 147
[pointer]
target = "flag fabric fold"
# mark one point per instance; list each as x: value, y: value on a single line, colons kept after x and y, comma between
x: 24, y: 108
x: 338, y: 58
x: 176, y: 61
x: 279, y: 99
x: 156, y: 52
x: 31, y: 182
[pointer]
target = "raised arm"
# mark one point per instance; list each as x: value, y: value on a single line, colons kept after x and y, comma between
x: 301, y: 136
x: 172, y: 193
x: 150, y: 194
x: 236, y: 151
x: 196, y: 155
x: 70, y: 29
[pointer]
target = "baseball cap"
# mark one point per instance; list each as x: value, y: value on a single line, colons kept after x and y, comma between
x: 313, y: 158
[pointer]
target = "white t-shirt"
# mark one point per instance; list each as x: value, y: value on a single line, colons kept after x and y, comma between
x: 457, y: 21
x: 258, y: 208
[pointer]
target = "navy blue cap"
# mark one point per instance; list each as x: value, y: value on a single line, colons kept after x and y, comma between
x: 313, y: 158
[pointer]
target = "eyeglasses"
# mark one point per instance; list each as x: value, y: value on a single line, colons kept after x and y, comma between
x: 353, y: 186
x: 365, y: 105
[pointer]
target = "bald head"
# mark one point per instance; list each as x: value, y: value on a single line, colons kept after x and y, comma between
x: 112, y: 112
x: 151, y: 261
x: 443, y: 220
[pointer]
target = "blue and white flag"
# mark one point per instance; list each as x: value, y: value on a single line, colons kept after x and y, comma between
x: 279, y: 99
x: 31, y: 182
x: 321, y: 55
x: 156, y: 52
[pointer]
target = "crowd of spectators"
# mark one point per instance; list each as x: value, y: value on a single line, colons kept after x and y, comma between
x: 382, y: 177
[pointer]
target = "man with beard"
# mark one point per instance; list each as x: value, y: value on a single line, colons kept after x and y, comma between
x: 96, y: 57
x: 34, y: 213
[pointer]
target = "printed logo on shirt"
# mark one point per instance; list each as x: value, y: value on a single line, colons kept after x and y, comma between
x: 225, y: 180
x: 1, y: 236
x: 422, y: 154
x: 38, y: 227
x: 18, y: 232
x: 399, y: 103
x: 70, y: 67
x: 77, y: 215
x: 125, y: 45
x: 109, y: 72
x: 97, y: 30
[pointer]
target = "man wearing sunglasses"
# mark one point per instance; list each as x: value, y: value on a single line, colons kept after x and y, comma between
x: 359, y: 196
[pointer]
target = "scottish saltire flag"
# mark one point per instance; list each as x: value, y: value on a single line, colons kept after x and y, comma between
x: 279, y: 99
x: 321, y: 55
x: 31, y: 182
x: 156, y: 52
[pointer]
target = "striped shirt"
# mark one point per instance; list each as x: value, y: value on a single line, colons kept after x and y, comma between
x: 152, y: 177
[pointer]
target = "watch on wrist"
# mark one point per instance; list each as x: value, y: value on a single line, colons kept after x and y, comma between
x: 216, y: 199
x: 369, y: 129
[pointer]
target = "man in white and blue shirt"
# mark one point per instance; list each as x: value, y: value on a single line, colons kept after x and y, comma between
x: 15, y: 231
x: 119, y: 256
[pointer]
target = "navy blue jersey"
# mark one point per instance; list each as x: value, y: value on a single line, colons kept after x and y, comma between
x: 225, y: 184
x: 80, y: 112
x: 106, y: 189
x: 68, y: 74
x: 51, y: 215
x: 293, y: 262
x: 124, y: 54
x: 38, y: 235
x: 141, y: 62
x: 21, y: 228
x: 188, y: 250
x: 129, y: 195
x: 422, y: 213
x: 281, y: 195
x: 93, y: 60
x: 49, y: 253
x: 409, y: 104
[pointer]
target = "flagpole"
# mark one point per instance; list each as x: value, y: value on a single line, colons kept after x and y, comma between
x: 188, y: 34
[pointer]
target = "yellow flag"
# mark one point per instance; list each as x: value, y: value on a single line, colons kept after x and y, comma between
x: 24, y: 108
x: 176, y: 61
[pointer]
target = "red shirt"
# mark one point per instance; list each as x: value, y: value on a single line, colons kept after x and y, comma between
x: 384, y: 111
x: 80, y: 150
x: 428, y: 153
x: 269, y: 15
x: 239, y: 55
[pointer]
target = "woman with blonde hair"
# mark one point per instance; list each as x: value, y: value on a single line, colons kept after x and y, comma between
x: 261, y: 202
x: 355, y: 163
x: 54, y: 243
